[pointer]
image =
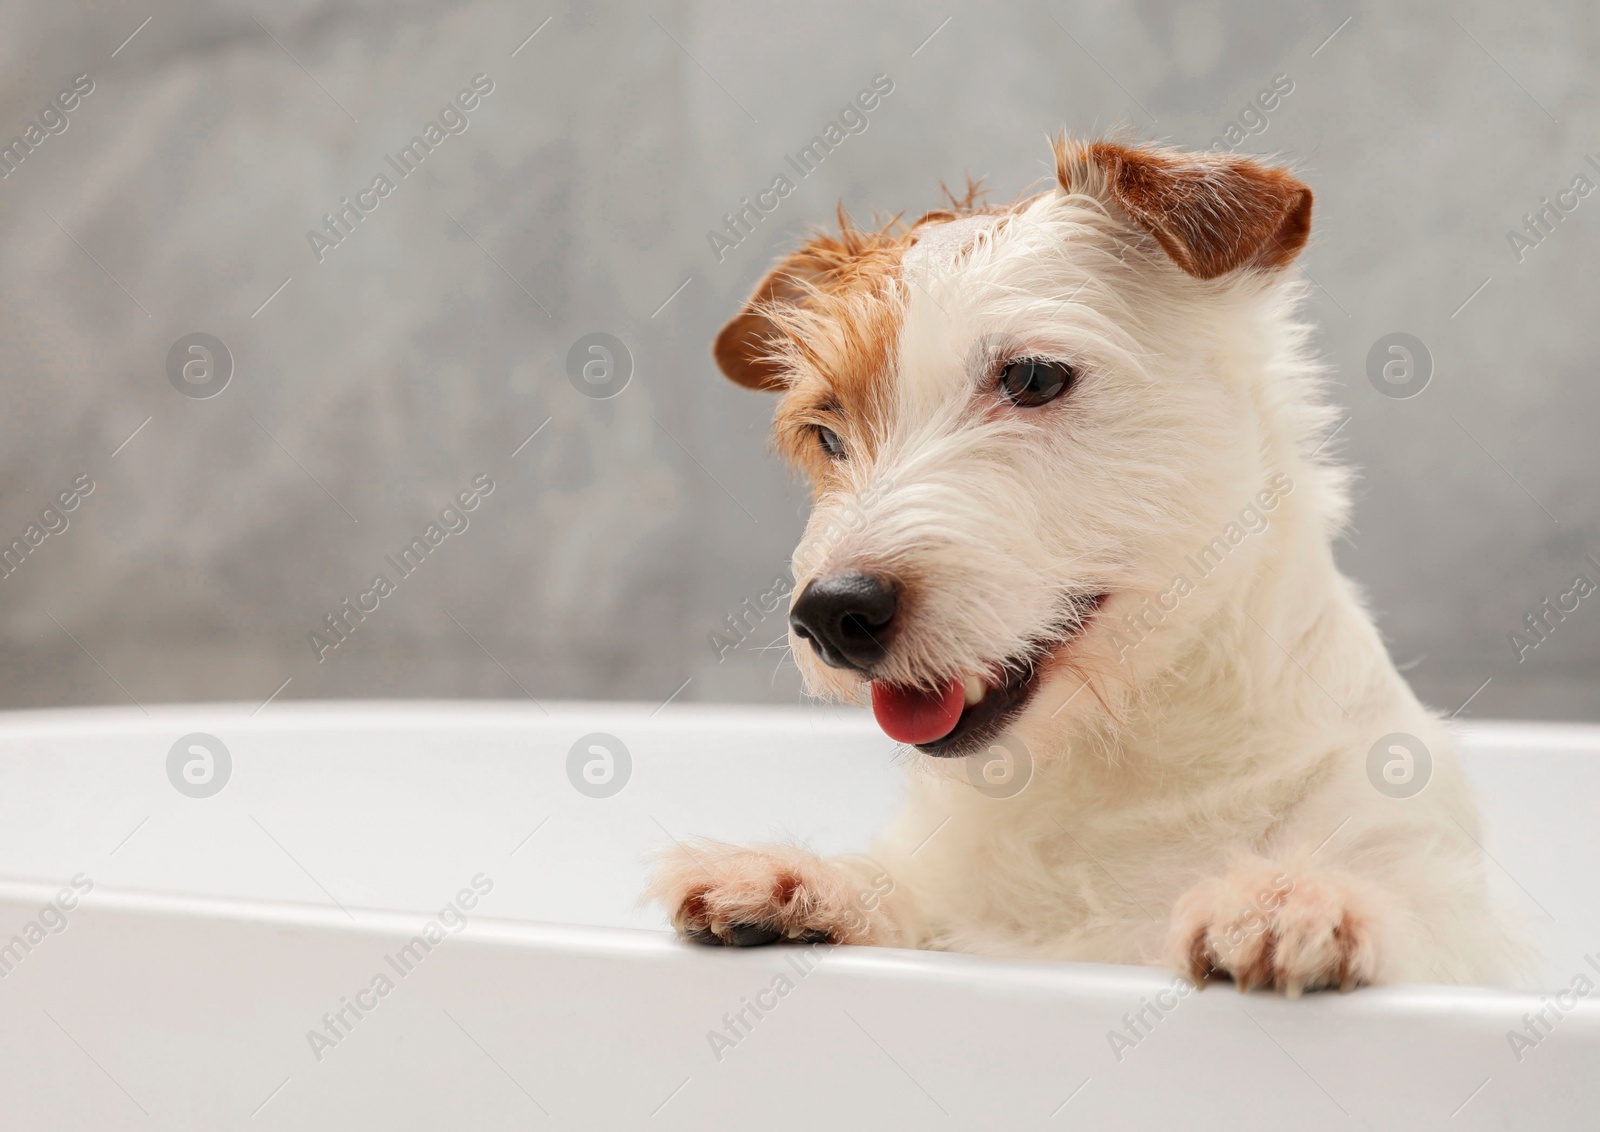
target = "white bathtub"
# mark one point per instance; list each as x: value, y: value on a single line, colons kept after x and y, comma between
x: 220, y: 929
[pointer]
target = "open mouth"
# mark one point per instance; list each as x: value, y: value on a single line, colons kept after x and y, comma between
x: 965, y: 712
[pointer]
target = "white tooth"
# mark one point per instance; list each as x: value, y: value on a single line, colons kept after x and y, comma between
x: 974, y: 689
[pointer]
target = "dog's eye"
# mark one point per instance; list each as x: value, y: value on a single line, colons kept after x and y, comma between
x: 1030, y: 382
x: 831, y: 444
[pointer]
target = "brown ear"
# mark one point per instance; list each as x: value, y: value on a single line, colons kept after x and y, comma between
x: 743, y: 348
x: 1212, y: 213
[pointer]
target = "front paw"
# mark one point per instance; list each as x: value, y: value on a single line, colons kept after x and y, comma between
x: 744, y: 897
x: 1265, y: 928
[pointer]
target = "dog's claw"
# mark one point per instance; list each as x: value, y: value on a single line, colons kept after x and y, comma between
x: 732, y: 935
x: 751, y: 935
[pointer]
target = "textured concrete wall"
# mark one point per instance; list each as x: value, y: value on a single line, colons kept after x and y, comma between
x: 423, y: 351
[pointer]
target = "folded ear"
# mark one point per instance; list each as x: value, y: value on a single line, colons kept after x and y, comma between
x: 744, y: 348
x: 1212, y: 213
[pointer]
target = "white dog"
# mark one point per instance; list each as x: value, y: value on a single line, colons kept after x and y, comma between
x: 1072, y: 523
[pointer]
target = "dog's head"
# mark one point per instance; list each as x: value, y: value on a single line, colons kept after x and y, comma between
x: 1020, y: 423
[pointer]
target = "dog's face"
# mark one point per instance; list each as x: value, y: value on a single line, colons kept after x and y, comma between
x: 1018, y: 423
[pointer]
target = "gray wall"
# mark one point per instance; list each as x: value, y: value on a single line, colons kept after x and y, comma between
x: 379, y: 382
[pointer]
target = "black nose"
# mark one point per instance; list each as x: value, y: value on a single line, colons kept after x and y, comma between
x: 848, y: 618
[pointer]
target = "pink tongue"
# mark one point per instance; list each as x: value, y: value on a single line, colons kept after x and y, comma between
x: 908, y: 715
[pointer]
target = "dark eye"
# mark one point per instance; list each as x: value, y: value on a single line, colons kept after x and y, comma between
x: 1030, y: 382
x: 831, y: 444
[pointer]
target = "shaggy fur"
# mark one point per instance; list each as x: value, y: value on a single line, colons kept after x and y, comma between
x: 1199, y: 793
